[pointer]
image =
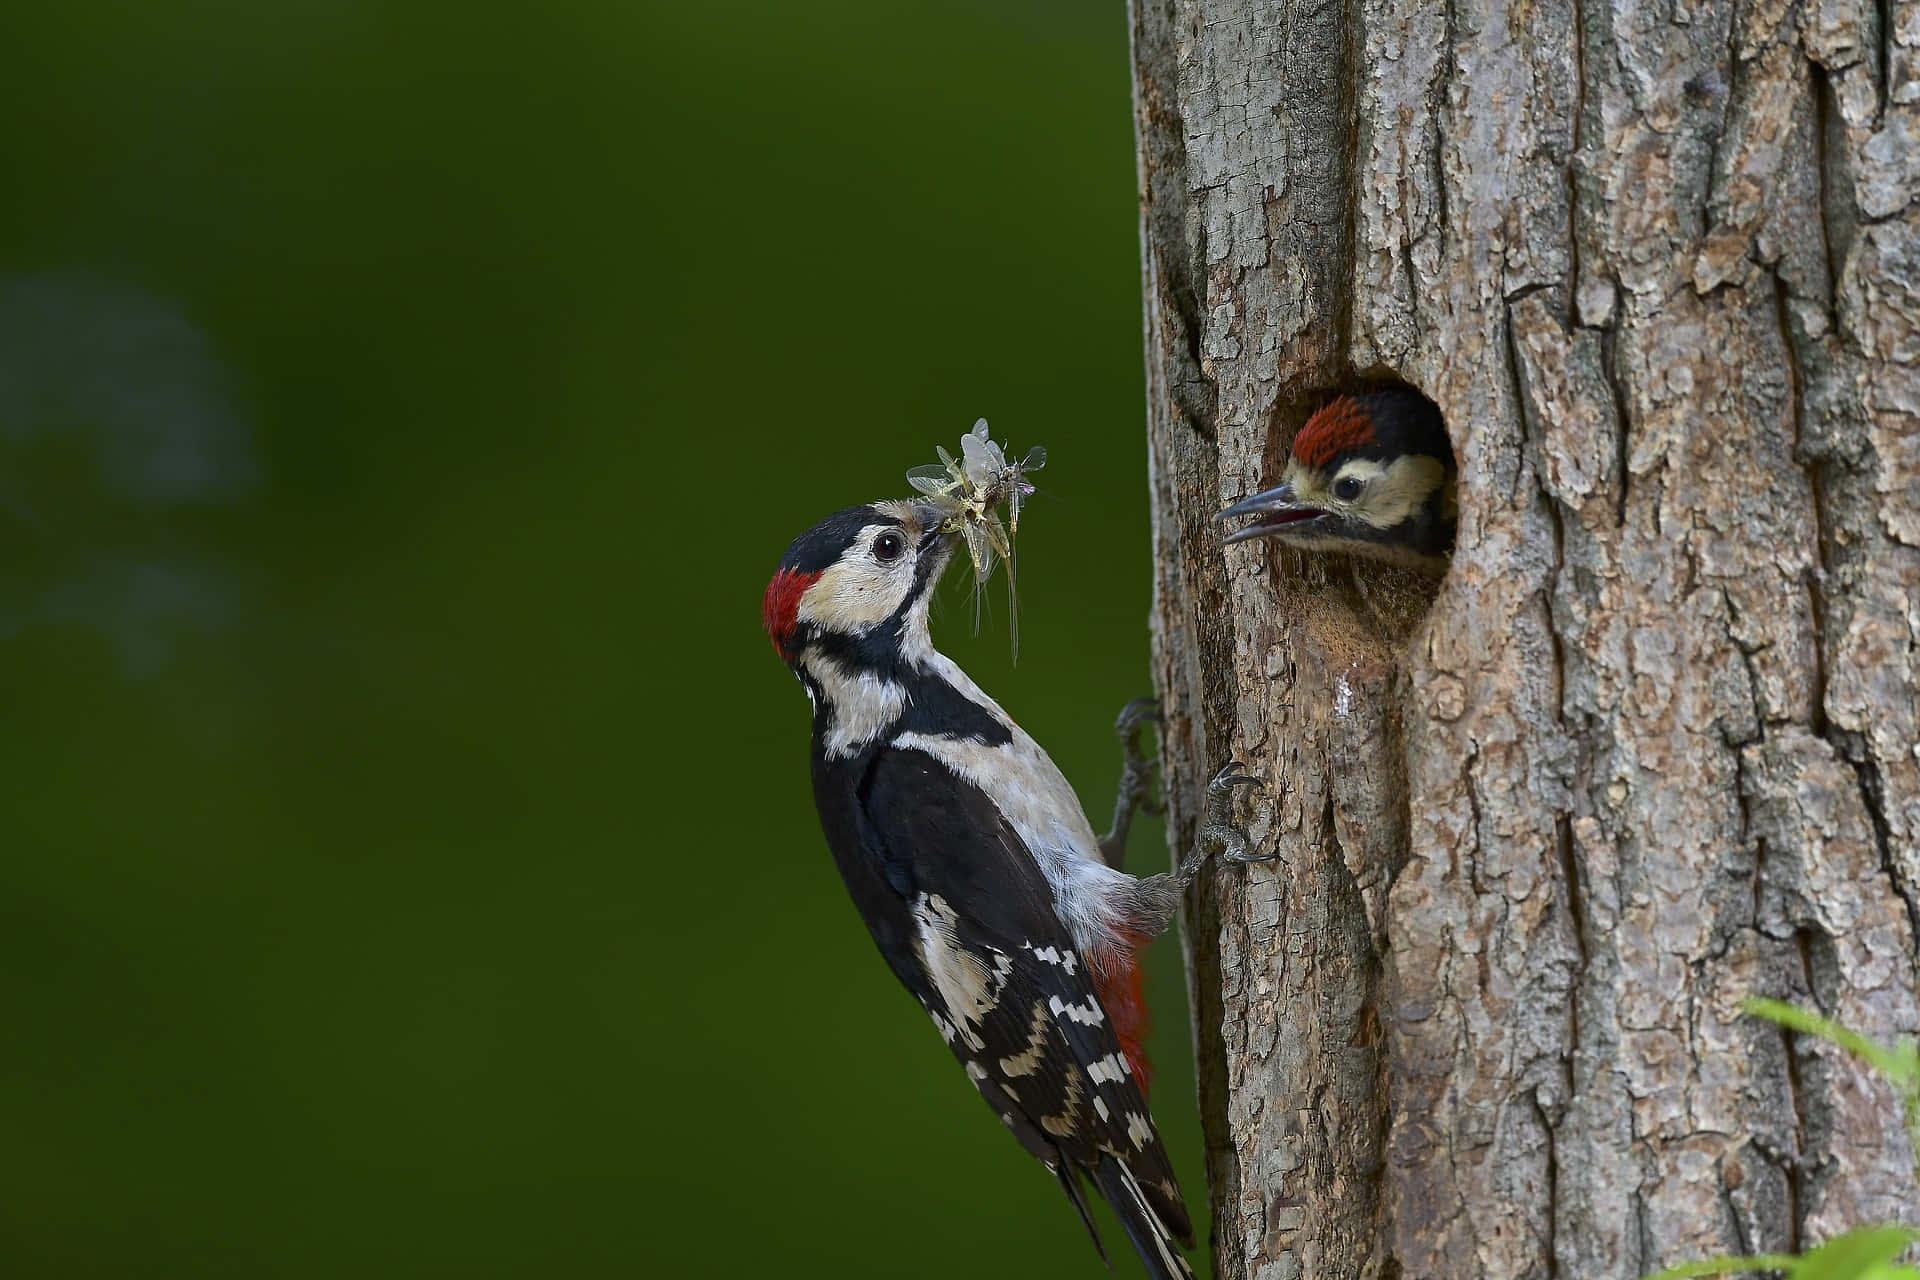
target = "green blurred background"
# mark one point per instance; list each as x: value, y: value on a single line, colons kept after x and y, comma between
x: 409, y: 861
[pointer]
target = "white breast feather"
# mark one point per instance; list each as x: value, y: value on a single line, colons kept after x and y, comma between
x: 1026, y: 786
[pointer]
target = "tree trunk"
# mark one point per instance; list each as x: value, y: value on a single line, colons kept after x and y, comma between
x: 1654, y: 747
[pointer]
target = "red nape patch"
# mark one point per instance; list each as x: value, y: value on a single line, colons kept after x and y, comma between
x: 781, y: 605
x: 1116, y: 976
x: 1337, y: 427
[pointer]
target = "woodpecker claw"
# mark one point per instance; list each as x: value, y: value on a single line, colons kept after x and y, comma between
x: 1230, y: 775
x: 1216, y: 823
x: 1135, y: 713
x: 1238, y: 853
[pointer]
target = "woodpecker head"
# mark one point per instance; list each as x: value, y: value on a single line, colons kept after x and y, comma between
x: 1371, y: 474
x: 855, y: 588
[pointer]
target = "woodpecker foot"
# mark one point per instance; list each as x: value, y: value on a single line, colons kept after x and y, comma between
x: 1217, y: 827
x: 1157, y: 898
x: 1136, y: 778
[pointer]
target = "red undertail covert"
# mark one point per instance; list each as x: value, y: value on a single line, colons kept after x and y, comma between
x: 1116, y: 976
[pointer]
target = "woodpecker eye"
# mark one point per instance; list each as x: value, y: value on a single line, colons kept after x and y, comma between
x: 1347, y: 488
x: 888, y: 546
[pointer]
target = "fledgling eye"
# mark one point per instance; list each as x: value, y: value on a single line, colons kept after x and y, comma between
x: 1347, y: 488
x: 888, y: 546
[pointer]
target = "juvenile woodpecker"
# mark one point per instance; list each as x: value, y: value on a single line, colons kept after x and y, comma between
x: 1371, y: 474
x: 976, y: 869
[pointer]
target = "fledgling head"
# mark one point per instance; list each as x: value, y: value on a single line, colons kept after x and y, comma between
x: 1371, y: 474
x: 857, y: 585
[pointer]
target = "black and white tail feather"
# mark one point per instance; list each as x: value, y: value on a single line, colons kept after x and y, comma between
x: 1148, y: 1235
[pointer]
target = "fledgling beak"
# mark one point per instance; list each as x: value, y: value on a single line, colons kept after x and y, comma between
x: 1279, y: 511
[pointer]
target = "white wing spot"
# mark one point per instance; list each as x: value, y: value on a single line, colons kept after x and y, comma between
x: 1087, y: 1015
x: 940, y: 1022
x: 1062, y: 956
x: 1139, y: 1129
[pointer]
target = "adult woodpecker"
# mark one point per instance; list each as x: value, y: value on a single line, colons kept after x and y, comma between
x: 976, y: 869
x: 1370, y: 473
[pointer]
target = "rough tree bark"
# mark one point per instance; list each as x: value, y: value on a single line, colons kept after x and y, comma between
x: 1655, y: 745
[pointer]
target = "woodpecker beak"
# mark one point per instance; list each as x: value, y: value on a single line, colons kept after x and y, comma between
x: 936, y: 547
x: 930, y: 518
x: 1280, y: 515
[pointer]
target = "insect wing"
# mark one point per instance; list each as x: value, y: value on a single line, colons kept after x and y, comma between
x: 995, y: 534
x: 982, y: 459
x: 980, y: 550
x: 932, y: 479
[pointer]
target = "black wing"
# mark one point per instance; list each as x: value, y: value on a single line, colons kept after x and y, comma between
x: 966, y: 920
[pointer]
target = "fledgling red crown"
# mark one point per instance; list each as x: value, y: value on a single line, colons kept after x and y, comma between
x: 1337, y: 426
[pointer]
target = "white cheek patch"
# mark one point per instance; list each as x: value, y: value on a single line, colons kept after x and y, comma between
x: 858, y: 592
x: 1405, y: 485
x: 1308, y: 486
x: 1394, y: 491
